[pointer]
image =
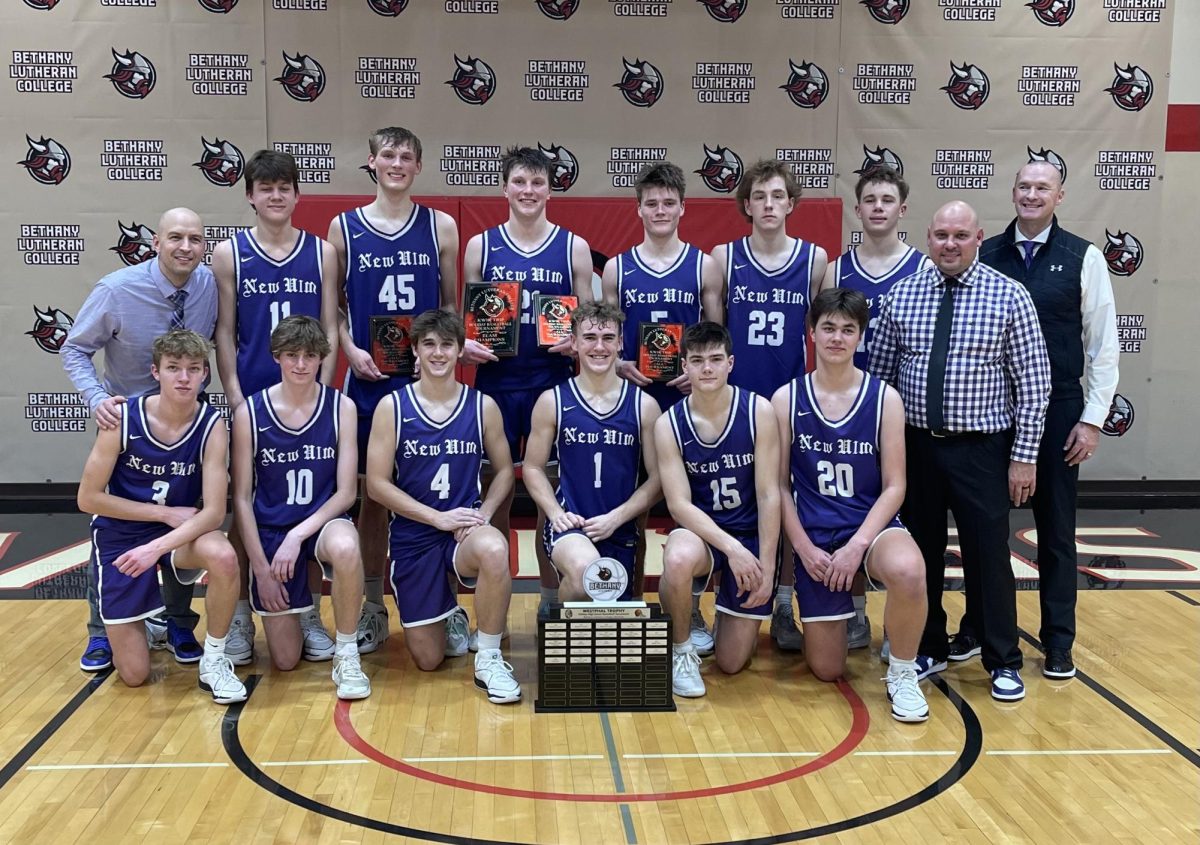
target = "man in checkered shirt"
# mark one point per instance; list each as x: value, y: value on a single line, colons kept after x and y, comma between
x: 973, y: 442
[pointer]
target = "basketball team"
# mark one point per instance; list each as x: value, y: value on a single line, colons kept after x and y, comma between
x: 827, y: 416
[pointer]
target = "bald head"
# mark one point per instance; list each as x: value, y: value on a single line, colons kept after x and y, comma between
x: 1037, y: 192
x: 180, y: 244
x: 954, y: 237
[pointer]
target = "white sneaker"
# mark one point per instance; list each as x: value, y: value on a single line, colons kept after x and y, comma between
x: 458, y: 633
x: 685, y: 675
x: 156, y: 633
x: 473, y: 640
x: 318, y: 645
x: 700, y: 634
x: 904, y: 691
x: 239, y: 645
x: 352, y: 684
x: 494, y: 676
x: 372, y: 627
x: 217, y: 677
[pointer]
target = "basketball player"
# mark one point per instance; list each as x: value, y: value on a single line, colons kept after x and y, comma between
x: 872, y: 267
x: 544, y: 258
x: 394, y: 258
x: 603, y: 429
x: 770, y: 278
x: 428, y: 441
x: 294, y: 477
x: 265, y: 274
x: 718, y: 453
x: 142, y: 482
x: 663, y: 280
x: 843, y: 468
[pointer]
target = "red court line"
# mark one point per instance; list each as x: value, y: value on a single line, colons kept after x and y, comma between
x: 860, y: 722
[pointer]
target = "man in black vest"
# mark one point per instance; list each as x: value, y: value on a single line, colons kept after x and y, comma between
x: 1068, y: 280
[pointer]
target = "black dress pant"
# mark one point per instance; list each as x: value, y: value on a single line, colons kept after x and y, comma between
x: 968, y: 475
x: 1054, y: 506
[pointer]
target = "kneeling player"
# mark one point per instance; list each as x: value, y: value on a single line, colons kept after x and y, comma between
x: 843, y: 467
x: 294, y: 477
x: 427, y: 446
x: 603, y: 428
x: 718, y: 452
x: 143, y: 481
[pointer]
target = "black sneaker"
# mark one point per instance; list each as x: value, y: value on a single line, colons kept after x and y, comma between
x: 1058, y: 664
x: 964, y: 647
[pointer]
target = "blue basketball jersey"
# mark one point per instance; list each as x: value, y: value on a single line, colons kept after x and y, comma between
x: 835, y: 471
x: 387, y: 274
x: 267, y: 292
x: 766, y: 312
x: 650, y: 296
x: 148, y: 470
x: 599, y: 455
x: 295, y: 469
x: 546, y: 269
x: 848, y: 273
x: 721, y: 473
x: 437, y: 463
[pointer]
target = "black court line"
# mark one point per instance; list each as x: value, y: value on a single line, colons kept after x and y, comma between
x: 50, y: 728
x: 972, y: 746
x: 1164, y: 736
x: 1182, y: 597
x: 618, y: 781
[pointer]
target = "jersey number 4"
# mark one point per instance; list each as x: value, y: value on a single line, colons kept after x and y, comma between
x: 397, y: 292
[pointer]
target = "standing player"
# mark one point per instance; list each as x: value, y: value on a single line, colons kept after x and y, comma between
x: 603, y: 429
x: 544, y: 258
x: 843, y: 469
x: 394, y: 258
x: 871, y: 268
x: 663, y: 280
x: 294, y: 478
x: 718, y: 452
x: 428, y: 441
x: 264, y: 275
x: 769, y: 281
x: 143, y: 481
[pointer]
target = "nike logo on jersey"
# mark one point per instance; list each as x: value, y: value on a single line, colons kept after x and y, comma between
x: 847, y: 276
x: 497, y: 248
x: 407, y: 419
x: 803, y: 413
x: 264, y: 428
x: 688, y: 442
x: 740, y: 266
x: 358, y: 234
x: 135, y: 437
x: 569, y: 407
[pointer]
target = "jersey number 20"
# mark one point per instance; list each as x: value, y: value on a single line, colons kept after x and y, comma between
x: 835, y: 479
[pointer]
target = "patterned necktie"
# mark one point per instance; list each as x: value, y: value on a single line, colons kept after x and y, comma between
x: 935, y: 382
x: 1029, y: 247
x: 178, y: 298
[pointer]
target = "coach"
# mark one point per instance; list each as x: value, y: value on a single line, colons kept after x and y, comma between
x: 122, y: 315
x: 961, y: 344
x: 1068, y: 280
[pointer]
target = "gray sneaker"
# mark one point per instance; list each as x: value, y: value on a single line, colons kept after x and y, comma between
x: 239, y: 644
x: 858, y: 634
x: 318, y: 645
x: 458, y: 633
x: 156, y: 633
x: 372, y: 627
x: 700, y: 634
x: 783, y: 629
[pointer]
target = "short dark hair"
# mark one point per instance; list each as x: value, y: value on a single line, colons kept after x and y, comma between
x: 272, y: 166
x: 761, y: 171
x: 704, y: 335
x: 881, y: 173
x: 600, y: 313
x: 180, y: 343
x: 299, y: 334
x: 394, y: 136
x: 534, y: 161
x: 845, y: 301
x: 440, y: 322
x: 662, y: 174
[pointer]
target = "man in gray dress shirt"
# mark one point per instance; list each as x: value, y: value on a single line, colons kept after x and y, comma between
x: 122, y: 315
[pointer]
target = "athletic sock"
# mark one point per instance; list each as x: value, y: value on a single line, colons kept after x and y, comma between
x: 316, y: 600
x: 783, y: 596
x: 860, y: 608
x: 489, y: 642
x: 346, y: 644
x: 214, y: 647
x: 373, y: 589
x: 684, y: 647
x: 895, y: 665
